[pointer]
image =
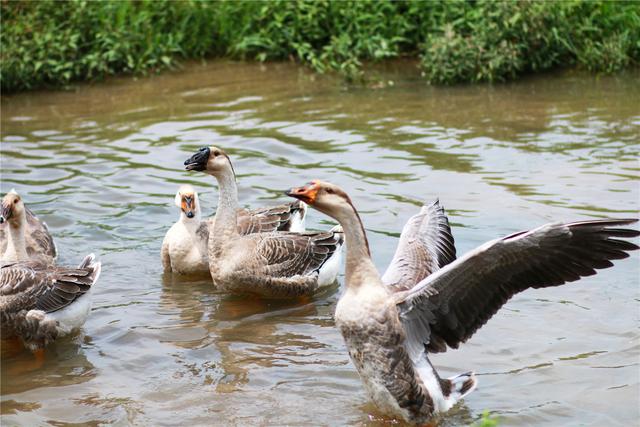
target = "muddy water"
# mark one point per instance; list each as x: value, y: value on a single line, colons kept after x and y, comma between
x: 101, y: 165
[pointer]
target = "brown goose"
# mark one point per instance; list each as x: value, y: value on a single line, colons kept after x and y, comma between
x: 40, y: 302
x: 184, y: 249
x: 428, y: 301
x: 22, y: 235
x: 275, y: 264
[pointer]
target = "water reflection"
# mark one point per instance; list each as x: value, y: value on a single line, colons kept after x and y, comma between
x: 101, y: 165
x: 64, y: 364
x: 242, y: 331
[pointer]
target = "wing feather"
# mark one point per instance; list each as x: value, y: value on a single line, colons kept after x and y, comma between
x: 426, y: 244
x: 267, y: 219
x: 449, y: 306
x: 287, y: 254
x: 44, y: 287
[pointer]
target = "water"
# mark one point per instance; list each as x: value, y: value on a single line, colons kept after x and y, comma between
x: 101, y: 165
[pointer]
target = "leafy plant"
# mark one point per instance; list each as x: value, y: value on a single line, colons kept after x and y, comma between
x: 51, y: 43
x: 487, y: 421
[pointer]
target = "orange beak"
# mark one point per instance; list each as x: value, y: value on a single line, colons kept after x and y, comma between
x: 188, y: 206
x: 307, y: 193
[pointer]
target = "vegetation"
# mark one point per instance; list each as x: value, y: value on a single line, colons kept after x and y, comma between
x: 55, y: 42
x: 486, y: 421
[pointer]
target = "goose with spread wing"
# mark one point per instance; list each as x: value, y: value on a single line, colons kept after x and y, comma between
x: 22, y: 235
x: 429, y: 301
x: 274, y: 264
x: 184, y: 248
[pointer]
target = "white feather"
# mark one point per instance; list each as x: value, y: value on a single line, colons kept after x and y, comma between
x: 329, y: 270
x: 187, y: 251
x: 430, y: 381
x: 73, y: 316
x: 298, y: 219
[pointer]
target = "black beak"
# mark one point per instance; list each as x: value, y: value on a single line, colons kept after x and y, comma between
x: 198, y: 162
x: 5, y: 213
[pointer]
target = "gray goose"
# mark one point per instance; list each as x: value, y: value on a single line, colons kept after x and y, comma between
x: 22, y: 235
x: 428, y: 301
x: 274, y: 264
x: 40, y: 302
x: 184, y: 248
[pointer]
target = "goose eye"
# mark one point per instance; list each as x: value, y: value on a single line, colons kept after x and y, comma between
x: 16, y: 201
x: 216, y: 153
x: 329, y: 190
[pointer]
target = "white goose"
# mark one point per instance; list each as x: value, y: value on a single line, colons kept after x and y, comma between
x: 184, y: 248
x: 276, y: 264
x: 428, y: 301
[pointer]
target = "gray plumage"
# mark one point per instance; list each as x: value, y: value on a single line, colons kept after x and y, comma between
x: 261, y: 220
x: 276, y: 264
x: 448, y: 307
x: 38, y: 240
x: 426, y: 244
x: 184, y: 248
x: 428, y: 300
x: 30, y: 291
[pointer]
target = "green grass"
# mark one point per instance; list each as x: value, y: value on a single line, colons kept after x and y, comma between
x: 49, y: 43
x: 486, y: 421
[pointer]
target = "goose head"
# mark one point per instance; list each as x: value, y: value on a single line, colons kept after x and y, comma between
x: 13, y: 210
x: 187, y: 201
x: 325, y: 197
x: 210, y: 160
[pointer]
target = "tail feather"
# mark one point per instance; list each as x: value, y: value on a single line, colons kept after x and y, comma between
x: 298, y: 217
x: 89, y: 263
x: 328, y: 271
x: 461, y: 385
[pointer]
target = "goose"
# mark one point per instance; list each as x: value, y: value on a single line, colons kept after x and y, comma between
x: 22, y: 235
x: 428, y: 300
x: 275, y: 264
x: 41, y: 302
x: 184, y: 248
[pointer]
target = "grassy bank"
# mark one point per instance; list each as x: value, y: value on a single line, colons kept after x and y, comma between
x: 49, y: 43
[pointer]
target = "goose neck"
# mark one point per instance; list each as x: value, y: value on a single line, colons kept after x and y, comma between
x: 16, y: 247
x: 359, y: 266
x: 226, y: 214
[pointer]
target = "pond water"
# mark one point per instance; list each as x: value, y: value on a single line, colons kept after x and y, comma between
x: 101, y: 164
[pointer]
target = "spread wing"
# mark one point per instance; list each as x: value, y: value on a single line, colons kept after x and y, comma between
x: 286, y: 254
x: 426, y: 244
x: 449, y: 306
x: 46, y: 288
